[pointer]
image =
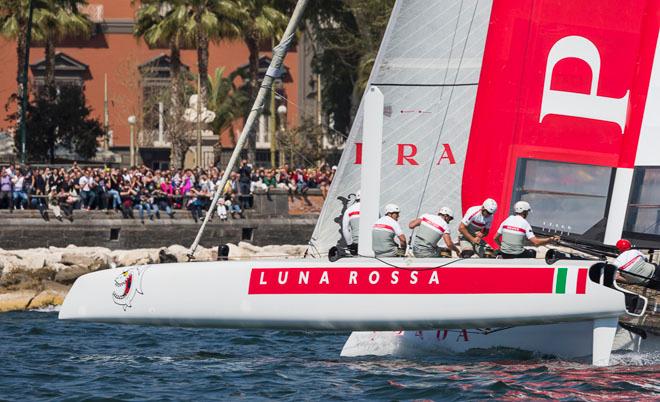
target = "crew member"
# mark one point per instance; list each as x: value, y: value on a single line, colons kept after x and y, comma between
x: 350, y: 225
x: 513, y: 231
x: 634, y: 267
x: 431, y: 229
x: 385, y: 231
x: 474, y: 226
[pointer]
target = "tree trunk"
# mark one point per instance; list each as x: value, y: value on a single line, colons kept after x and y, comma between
x: 253, y: 47
x: 20, y: 57
x: 203, y: 60
x: 176, y: 133
x: 49, y: 61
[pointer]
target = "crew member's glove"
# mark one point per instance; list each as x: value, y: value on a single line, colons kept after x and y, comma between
x: 400, y: 252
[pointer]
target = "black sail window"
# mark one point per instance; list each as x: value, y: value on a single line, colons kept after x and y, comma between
x: 566, y: 198
x: 643, y: 215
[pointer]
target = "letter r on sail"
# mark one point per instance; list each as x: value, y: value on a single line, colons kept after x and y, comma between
x: 589, y: 106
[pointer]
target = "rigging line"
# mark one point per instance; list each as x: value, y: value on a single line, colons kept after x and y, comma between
x: 412, y: 269
x: 465, y: 84
x: 444, y: 119
x: 322, y: 125
x: 488, y: 331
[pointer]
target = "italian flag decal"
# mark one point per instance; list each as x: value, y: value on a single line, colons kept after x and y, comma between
x: 570, y: 281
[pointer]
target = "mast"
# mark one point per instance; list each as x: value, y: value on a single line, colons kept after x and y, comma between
x: 273, y: 72
x: 372, y: 139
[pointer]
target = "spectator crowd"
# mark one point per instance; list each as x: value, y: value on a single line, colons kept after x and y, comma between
x: 150, y: 192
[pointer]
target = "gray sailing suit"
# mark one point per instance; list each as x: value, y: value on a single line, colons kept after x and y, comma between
x: 382, y: 237
x: 474, y: 222
x: 634, y: 262
x: 514, y: 230
x: 351, y: 224
x: 427, y: 236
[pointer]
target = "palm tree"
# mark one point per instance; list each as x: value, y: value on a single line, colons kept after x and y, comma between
x: 228, y: 101
x: 60, y: 19
x: 163, y: 23
x: 259, y: 21
x: 209, y: 21
x: 13, y: 26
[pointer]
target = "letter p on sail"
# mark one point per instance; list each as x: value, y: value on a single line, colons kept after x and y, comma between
x: 588, y: 106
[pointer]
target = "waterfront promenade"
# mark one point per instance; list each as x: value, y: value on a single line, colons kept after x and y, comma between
x: 276, y: 218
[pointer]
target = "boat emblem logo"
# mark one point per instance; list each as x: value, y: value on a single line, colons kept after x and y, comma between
x: 127, y: 285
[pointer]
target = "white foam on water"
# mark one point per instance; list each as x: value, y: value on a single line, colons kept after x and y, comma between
x: 636, y: 358
x: 48, y: 309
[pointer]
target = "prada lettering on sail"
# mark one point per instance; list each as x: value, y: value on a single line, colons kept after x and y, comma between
x: 406, y: 155
x: 411, y: 280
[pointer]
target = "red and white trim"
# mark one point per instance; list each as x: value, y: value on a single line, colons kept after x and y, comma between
x: 473, y: 215
x: 630, y: 263
x: 382, y: 226
x: 432, y: 225
x: 513, y: 229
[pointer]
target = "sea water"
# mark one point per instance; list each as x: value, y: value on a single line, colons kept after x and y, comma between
x: 47, y: 359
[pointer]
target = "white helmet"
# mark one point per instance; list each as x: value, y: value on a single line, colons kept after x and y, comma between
x: 522, y: 206
x: 490, y: 205
x: 446, y: 211
x: 357, y: 195
x: 391, y: 208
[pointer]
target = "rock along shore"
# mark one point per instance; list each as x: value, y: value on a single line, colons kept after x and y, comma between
x: 41, y: 277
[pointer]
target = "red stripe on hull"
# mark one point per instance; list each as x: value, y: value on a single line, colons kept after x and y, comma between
x: 401, y: 281
x: 581, y: 281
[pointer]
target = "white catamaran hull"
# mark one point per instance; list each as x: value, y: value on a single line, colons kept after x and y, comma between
x: 361, y: 294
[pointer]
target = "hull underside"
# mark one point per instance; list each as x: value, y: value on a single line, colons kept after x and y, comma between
x: 563, y: 340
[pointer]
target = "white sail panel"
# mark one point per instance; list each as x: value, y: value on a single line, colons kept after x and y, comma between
x: 428, y: 69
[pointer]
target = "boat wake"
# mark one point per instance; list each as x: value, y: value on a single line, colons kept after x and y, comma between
x: 635, y: 358
x: 47, y: 309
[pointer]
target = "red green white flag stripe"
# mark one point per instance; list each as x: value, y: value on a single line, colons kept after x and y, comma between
x: 570, y: 281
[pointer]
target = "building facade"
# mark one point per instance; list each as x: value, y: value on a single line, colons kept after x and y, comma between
x: 122, y: 77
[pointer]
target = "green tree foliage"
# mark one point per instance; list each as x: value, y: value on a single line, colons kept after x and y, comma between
x: 163, y: 23
x: 229, y: 101
x: 259, y: 21
x: 63, y: 121
x: 209, y: 21
x: 13, y: 26
x: 346, y: 35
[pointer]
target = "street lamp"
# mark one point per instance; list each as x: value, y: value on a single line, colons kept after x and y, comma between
x: 281, y: 111
x: 132, y: 120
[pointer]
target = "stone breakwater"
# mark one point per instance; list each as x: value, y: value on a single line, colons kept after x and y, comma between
x: 41, y: 277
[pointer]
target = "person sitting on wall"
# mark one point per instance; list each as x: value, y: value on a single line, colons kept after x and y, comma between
x: 54, y: 204
x: 515, y: 229
x: 67, y: 198
x: 232, y: 205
